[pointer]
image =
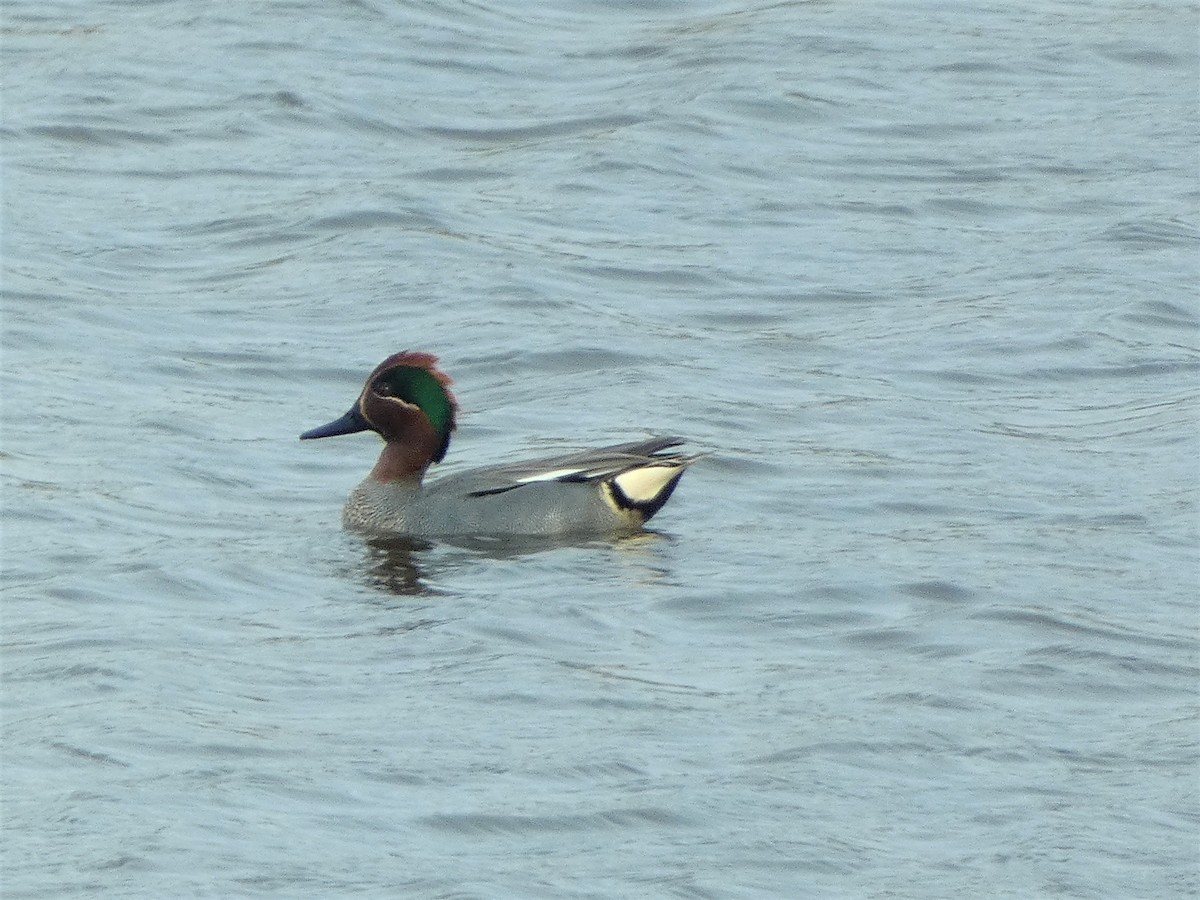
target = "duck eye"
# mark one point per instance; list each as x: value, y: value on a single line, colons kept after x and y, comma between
x: 383, y: 389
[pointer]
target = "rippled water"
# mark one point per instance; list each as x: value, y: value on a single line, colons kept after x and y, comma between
x: 920, y: 278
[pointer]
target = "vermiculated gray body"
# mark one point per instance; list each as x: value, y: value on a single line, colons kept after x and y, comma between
x: 577, y: 493
x: 444, y: 507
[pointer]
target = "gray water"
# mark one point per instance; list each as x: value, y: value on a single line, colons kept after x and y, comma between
x: 921, y: 280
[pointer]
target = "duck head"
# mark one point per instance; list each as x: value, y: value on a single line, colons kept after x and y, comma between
x: 407, y: 402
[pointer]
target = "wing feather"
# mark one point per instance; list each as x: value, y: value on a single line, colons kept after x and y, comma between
x: 586, y: 465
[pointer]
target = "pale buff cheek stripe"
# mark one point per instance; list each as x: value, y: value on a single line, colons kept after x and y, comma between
x: 403, y: 403
x: 643, y: 485
x: 362, y: 405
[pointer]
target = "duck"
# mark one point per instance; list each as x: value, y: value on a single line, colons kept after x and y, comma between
x: 408, y: 402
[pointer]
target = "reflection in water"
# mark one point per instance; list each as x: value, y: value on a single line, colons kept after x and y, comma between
x: 395, y: 563
x: 392, y: 564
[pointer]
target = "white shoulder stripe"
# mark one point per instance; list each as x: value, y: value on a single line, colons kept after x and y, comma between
x: 552, y: 475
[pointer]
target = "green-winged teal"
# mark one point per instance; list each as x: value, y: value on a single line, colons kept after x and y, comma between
x: 407, y: 401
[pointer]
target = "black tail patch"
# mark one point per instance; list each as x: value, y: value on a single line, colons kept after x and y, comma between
x: 647, y: 508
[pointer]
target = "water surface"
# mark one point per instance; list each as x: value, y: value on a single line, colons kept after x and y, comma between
x: 921, y: 280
